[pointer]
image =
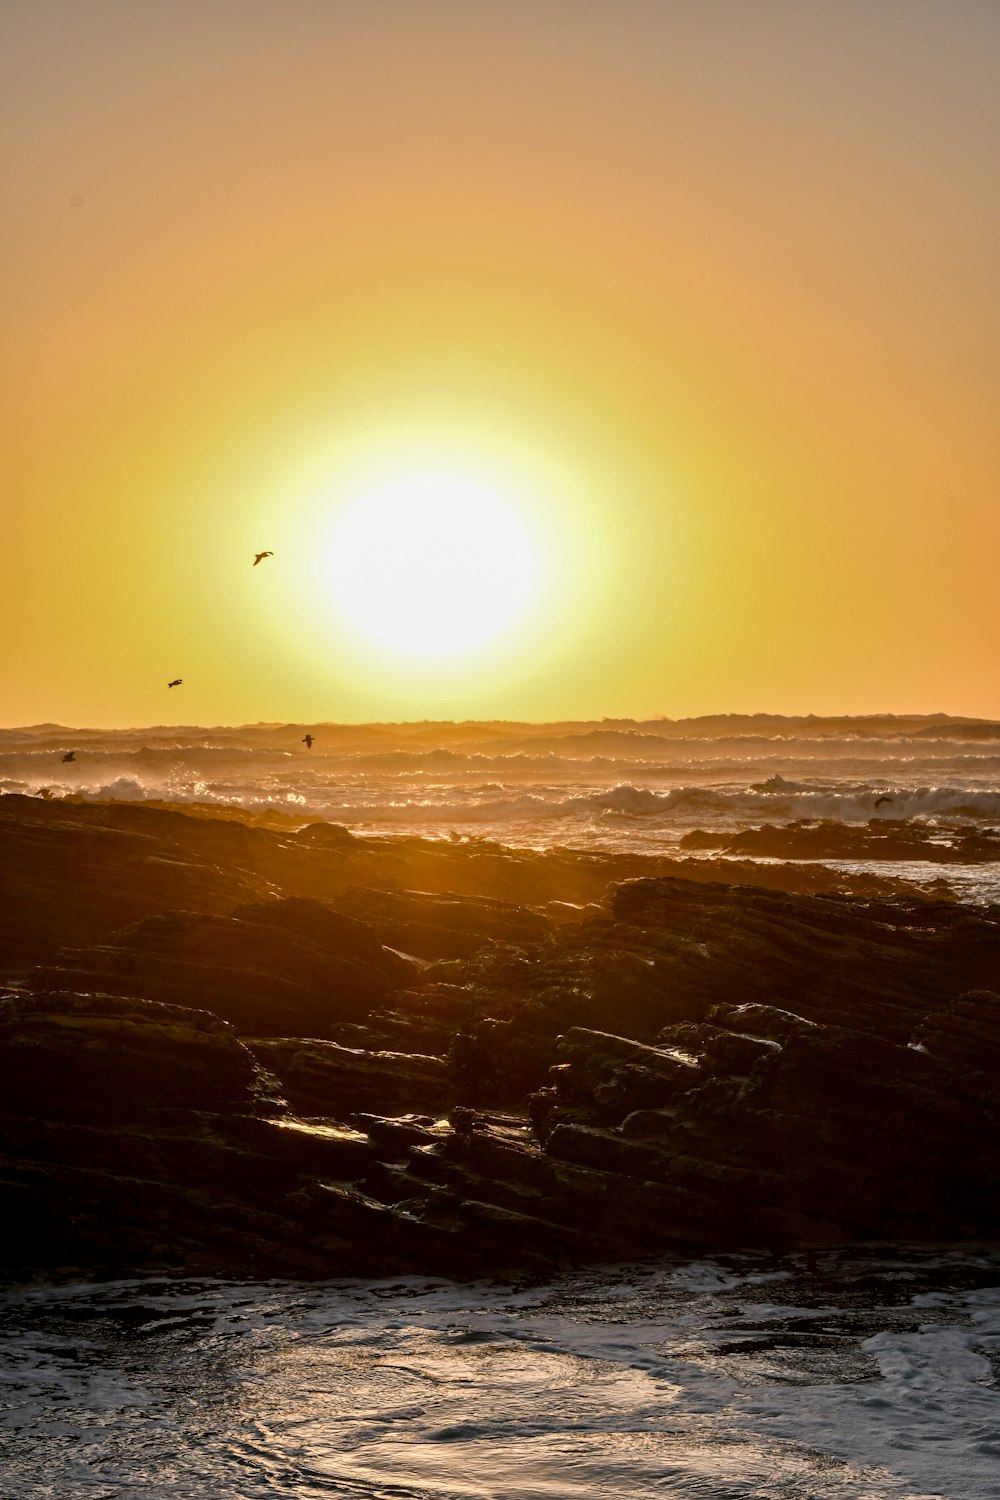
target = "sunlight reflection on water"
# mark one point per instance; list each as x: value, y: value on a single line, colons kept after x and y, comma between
x: 629, y: 1384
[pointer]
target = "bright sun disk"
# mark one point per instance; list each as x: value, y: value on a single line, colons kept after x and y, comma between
x: 432, y: 564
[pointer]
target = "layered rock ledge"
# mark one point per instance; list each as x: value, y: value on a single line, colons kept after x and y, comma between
x: 232, y: 1068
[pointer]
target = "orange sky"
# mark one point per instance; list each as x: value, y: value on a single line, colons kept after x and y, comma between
x: 707, y: 290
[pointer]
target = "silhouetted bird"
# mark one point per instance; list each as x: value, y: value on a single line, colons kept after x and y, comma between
x: 261, y: 556
x: 307, y: 740
x: 176, y: 682
x: 70, y: 755
x: 884, y: 798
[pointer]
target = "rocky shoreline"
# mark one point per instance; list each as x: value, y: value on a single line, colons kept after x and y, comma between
x: 237, y: 1050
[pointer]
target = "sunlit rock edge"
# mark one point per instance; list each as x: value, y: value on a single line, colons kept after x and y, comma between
x: 235, y: 1050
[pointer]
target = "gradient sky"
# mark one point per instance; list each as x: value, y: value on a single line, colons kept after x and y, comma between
x: 706, y: 289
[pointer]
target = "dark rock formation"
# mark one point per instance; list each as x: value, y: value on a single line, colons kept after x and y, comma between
x: 828, y: 1134
x: 330, y: 932
x: 146, y: 1136
x: 268, y: 970
x: 696, y: 1066
x: 73, y: 872
x: 322, y: 1078
x: 882, y: 838
x: 63, y: 1054
x: 670, y: 950
x: 68, y: 877
x: 444, y: 925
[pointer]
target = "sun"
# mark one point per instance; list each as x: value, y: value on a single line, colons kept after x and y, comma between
x: 432, y: 562
x: 423, y: 564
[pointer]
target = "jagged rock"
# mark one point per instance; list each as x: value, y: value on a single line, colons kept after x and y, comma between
x: 443, y: 925
x: 871, y: 965
x: 768, y: 1021
x: 829, y: 1133
x: 322, y: 1078
x: 73, y: 872
x: 965, y: 1040
x: 146, y: 1136
x: 737, y: 1066
x: 673, y: 953
x: 616, y: 1075
x: 420, y: 1021
x: 500, y: 1062
x: 392, y: 1138
x: 278, y: 970
x: 882, y: 838
x: 332, y: 933
x: 69, y: 879
x: 600, y: 1079
x: 94, y: 1052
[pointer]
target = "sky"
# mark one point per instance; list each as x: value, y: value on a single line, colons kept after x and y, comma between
x: 572, y: 358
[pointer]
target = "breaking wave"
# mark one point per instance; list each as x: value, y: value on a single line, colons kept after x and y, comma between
x: 519, y: 790
x: 680, y: 808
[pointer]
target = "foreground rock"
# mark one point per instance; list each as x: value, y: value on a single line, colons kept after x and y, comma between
x: 273, y: 1088
x: 322, y: 1078
x: 443, y: 925
x: 276, y: 968
x: 668, y: 951
x: 74, y: 873
x: 142, y: 1136
x: 68, y: 877
x: 776, y: 1131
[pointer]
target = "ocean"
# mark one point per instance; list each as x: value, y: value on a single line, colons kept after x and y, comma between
x: 848, y: 1376
x: 598, y: 786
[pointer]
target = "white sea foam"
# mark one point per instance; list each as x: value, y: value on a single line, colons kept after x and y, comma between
x: 613, y: 789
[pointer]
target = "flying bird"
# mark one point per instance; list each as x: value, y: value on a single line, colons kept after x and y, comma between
x: 307, y: 740
x: 884, y: 798
x: 70, y: 755
x: 261, y: 556
x: 176, y: 682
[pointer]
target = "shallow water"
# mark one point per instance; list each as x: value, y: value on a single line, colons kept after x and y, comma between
x: 849, y: 1376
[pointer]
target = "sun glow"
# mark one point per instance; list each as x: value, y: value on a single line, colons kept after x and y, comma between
x: 423, y: 562
x: 432, y: 562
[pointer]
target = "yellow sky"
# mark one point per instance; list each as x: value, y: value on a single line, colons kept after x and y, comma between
x: 705, y: 292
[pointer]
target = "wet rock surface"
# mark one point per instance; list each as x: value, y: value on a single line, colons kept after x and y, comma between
x: 281, y: 1086
x: 881, y: 838
x: 323, y: 1078
x: 74, y: 872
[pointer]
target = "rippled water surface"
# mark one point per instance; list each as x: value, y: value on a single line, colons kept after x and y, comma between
x: 845, y: 1377
x: 611, y: 789
x: 601, y: 789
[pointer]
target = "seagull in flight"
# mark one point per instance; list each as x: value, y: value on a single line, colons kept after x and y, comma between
x: 307, y: 740
x: 70, y: 755
x: 176, y: 682
x: 261, y: 556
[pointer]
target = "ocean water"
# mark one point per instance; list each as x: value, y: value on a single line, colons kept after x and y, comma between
x: 537, y: 786
x: 844, y: 1378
